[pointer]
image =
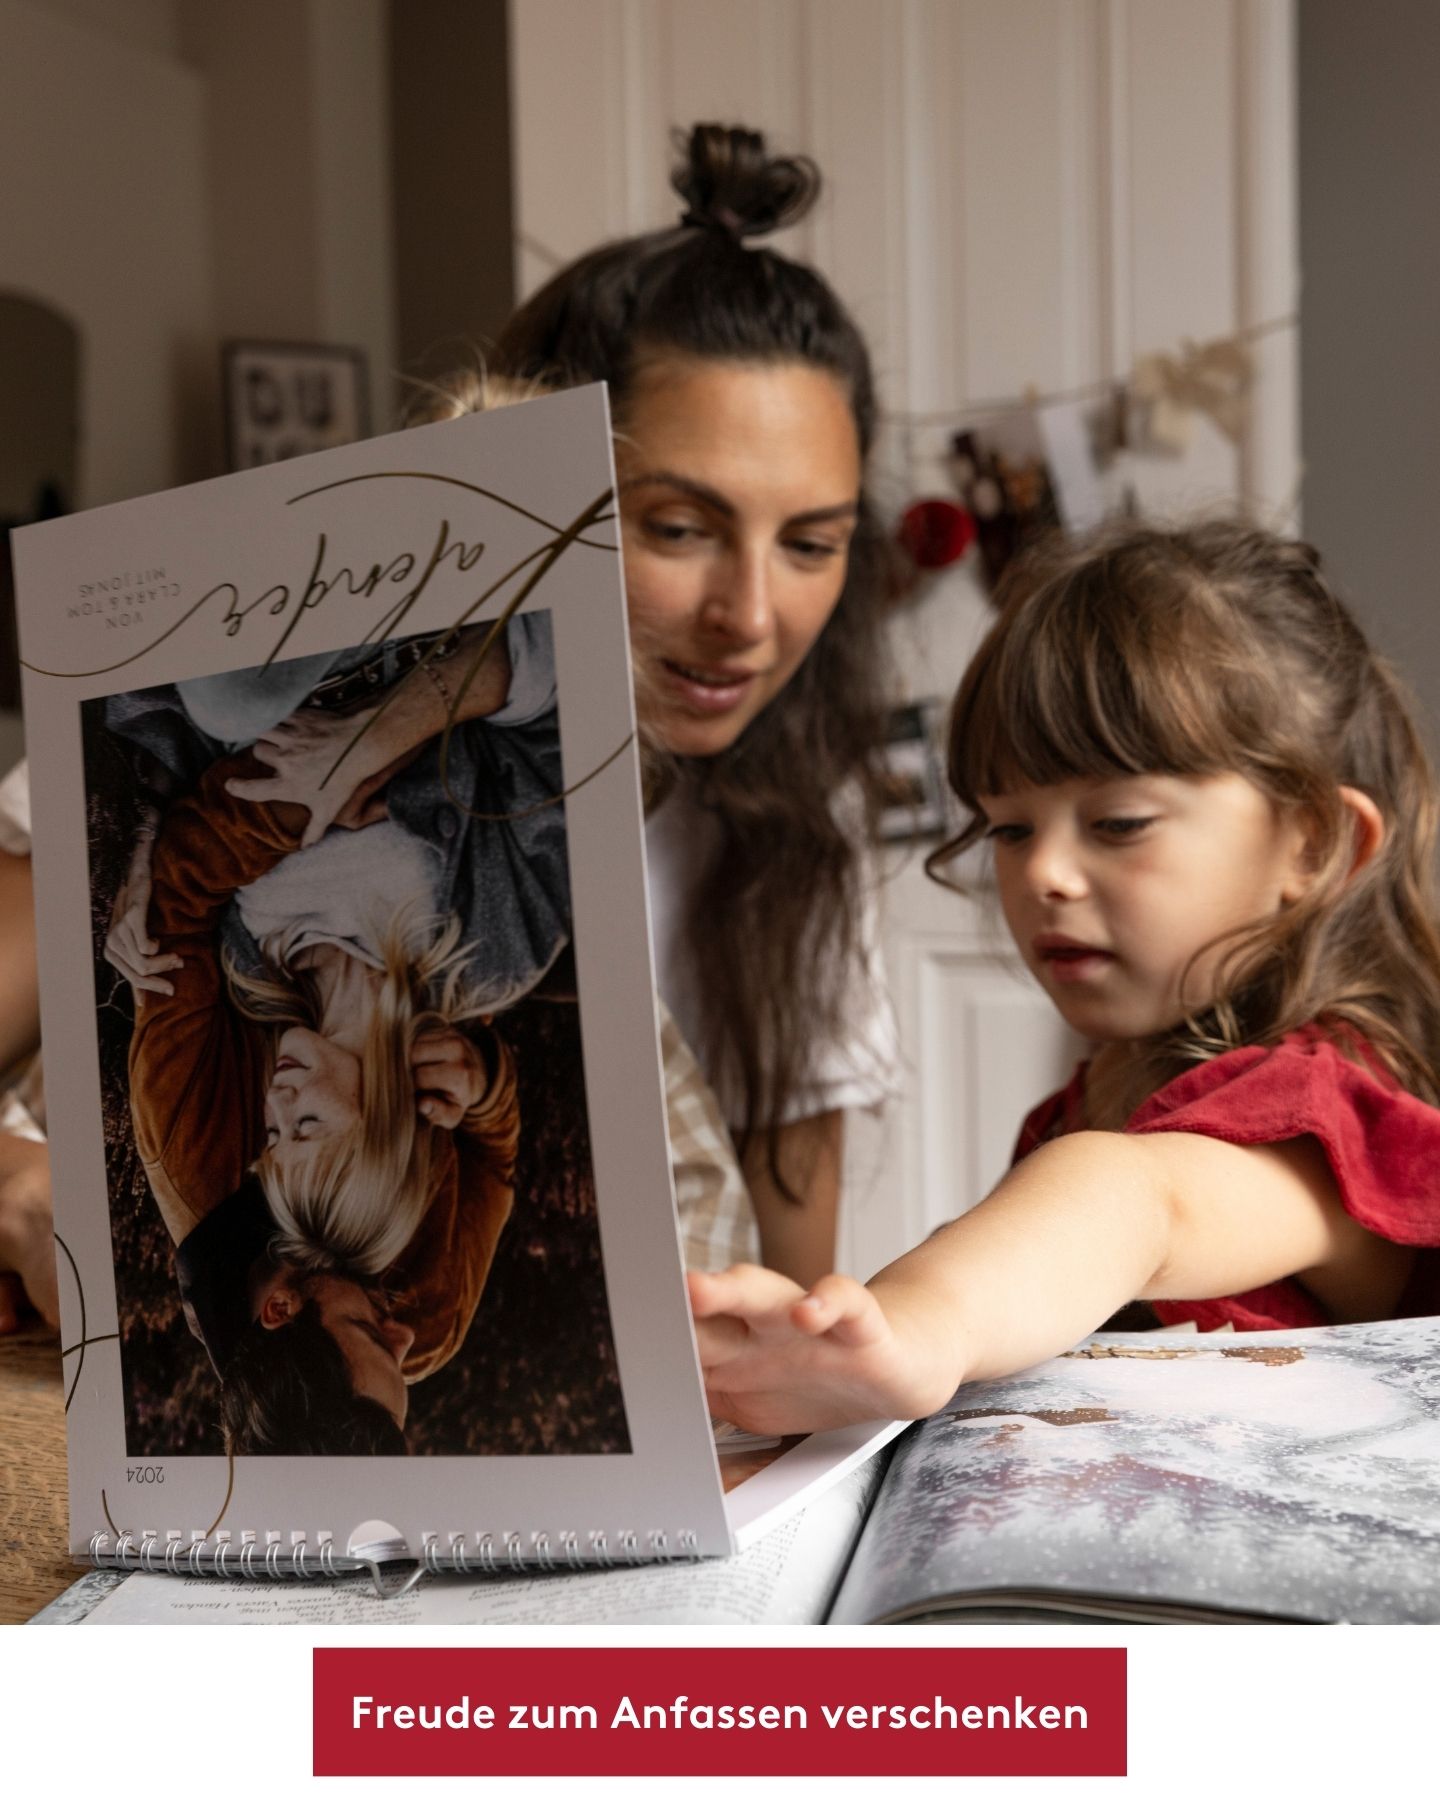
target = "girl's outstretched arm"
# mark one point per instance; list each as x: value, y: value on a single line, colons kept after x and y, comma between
x: 1079, y: 1228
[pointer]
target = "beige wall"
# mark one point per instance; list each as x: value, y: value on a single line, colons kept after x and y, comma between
x: 297, y: 150
x: 180, y: 171
x: 152, y: 25
x: 103, y: 215
x: 350, y: 110
x: 454, y: 266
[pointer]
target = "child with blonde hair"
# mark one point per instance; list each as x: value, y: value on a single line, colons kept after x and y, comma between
x: 1213, y: 828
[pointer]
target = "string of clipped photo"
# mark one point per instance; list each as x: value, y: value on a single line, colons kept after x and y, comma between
x: 998, y: 459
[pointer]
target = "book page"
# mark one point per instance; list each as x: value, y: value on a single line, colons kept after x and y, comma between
x: 371, y: 1182
x: 786, y: 1578
x: 765, y: 1487
x: 1284, y: 1475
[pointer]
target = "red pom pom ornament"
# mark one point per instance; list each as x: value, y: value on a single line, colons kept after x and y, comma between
x: 936, y: 533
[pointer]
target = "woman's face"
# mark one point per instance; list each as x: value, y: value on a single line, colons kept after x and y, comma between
x: 739, y: 492
x: 314, y: 1094
x: 373, y: 1343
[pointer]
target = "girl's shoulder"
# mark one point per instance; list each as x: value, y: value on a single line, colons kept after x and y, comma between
x: 1311, y: 1062
x: 1056, y: 1116
x: 1382, y: 1142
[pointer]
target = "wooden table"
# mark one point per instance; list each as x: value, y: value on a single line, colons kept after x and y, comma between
x: 34, y: 1563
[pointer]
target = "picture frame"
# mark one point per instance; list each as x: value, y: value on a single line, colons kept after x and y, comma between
x: 917, y: 801
x: 287, y: 399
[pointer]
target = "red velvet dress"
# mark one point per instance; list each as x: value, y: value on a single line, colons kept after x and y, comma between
x: 1382, y: 1144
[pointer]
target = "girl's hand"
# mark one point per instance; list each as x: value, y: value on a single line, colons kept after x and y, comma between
x: 128, y: 944
x: 450, y: 1077
x: 776, y: 1359
x: 301, y: 752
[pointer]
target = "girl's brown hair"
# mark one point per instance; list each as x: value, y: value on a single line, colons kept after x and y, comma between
x: 774, y: 920
x: 1213, y: 649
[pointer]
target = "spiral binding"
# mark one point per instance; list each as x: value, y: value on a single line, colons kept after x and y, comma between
x: 461, y: 1553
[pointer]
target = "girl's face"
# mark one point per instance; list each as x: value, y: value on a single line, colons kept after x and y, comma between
x: 314, y: 1094
x: 739, y: 492
x: 1115, y: 890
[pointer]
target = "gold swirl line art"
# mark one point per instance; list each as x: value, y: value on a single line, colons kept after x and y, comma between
x: 470, y: 487
x: 113, y: 1337
x: 547, y: 556
x: 214, y: 1524
x: 592, y: 516
x: 85, y: 1338
x: 105, y: 1507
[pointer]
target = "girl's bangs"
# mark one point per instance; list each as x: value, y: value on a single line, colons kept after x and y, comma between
x: 1068, y: 691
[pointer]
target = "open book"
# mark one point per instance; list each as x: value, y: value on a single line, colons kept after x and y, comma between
x: 368, y: 1241
x: 1276, y: 1476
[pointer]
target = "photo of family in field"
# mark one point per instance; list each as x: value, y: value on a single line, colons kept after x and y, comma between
x: 347, y: 1147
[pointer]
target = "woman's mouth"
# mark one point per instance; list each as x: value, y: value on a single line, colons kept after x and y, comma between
x: 287, y: 1062
x: 706, y: 690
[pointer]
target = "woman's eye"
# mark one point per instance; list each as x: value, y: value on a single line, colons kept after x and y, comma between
x: 1122, y: 828
x: 667, y: 532
x: 1008, y: 834
x: 813, y: 550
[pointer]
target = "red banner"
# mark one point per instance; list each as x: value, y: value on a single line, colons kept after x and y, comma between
x: 804, y: 1711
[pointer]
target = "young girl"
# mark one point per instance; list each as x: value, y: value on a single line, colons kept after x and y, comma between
x: 1213, y: 829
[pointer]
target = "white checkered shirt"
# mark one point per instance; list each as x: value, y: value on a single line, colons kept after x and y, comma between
x: 717, y: 1220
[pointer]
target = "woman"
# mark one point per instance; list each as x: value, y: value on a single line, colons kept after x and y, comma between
x: 744, y: 412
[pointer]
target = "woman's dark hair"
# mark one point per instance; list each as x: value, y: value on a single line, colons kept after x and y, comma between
x: 1211, y: 649
x: 289, y: 1392
x: 774, y: 919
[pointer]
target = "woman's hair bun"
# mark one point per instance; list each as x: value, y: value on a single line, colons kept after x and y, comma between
x: 729, y: 183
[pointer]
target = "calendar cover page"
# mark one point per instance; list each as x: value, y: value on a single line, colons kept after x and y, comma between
x: 359, y: 1148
